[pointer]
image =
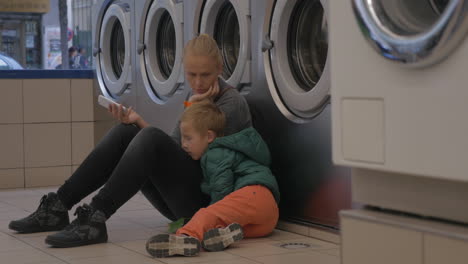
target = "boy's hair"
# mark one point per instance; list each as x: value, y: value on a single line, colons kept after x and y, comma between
x: 205, y: 116
x: 204, y: 45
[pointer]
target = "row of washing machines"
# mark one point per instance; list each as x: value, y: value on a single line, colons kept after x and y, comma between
x: 397, y: 104
x: 274, y: 52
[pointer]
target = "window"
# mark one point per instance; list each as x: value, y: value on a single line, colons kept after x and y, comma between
x: 30, y: 35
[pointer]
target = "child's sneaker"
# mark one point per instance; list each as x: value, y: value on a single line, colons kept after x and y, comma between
x: 165, y: 245
x: 218, y: 239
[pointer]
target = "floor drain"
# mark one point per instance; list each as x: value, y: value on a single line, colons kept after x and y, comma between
x: 294, y: 245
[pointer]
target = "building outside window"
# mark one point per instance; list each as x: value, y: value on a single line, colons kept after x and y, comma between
x: 30, y: 34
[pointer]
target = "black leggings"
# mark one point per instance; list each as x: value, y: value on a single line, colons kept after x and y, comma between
x: 127, y: 160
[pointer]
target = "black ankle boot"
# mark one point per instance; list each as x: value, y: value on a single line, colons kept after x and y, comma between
x: 89, y: 227
x: 51, y: 215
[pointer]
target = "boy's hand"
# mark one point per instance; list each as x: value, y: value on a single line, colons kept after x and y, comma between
x: 210, y: 94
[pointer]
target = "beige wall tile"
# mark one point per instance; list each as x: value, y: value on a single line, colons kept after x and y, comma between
x: 101, y: 128
x: 74, y: 167
x: 100, y: 113
x: 11, y: 101
x: 82, y: 96
x: 47, y: 144
x: 12, y: 178
x: 48, y: 176
x: 46, y: 100
x: 82, y: 141
x: 11, y: 146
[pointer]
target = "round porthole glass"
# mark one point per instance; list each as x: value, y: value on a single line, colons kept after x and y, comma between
x: 408, y: 18
x: 227, y: 36
x: 117, y: 49
x: 165, y: 45
x: 307, y: 43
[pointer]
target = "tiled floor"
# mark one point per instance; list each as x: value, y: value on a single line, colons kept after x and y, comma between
x: 128, y: 230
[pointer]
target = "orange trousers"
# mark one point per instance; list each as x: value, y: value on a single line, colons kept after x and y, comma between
x: 253, y: 207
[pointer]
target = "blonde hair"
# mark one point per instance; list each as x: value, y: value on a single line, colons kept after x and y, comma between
x: 204, y: 45
x: 205, y: 116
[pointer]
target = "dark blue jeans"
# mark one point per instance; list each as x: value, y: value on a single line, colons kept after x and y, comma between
x: 127, y: 160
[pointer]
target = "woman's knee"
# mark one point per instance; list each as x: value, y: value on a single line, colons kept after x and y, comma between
x: 151, y: 137
x: 152, y: 134
x: 123, y: 131
x: 119, y: 135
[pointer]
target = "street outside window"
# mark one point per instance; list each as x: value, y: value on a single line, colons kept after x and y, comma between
x: 38, y: 34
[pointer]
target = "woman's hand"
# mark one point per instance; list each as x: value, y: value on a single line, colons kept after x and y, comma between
x: 128, y: 116
x: 212, y: 92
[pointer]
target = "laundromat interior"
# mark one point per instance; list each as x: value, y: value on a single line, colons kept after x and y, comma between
x: 362, y: 104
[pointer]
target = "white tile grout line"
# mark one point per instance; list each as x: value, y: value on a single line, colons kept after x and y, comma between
x: 139, y: 253
x: 256, y: 261
x: 17, y: 238
x: 284, y: 253
x: 129, y: 249
x: 117, y: 245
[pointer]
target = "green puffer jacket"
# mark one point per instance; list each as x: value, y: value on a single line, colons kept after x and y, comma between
x: 236, y: 161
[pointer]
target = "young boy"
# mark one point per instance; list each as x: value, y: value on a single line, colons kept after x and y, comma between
x: 244, y: 193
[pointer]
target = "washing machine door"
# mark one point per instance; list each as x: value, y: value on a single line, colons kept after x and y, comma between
x: 161, y: 51
x: 229, y: 24
x: 296, y: 59
x: 415, y: 33
x: 114, y: 66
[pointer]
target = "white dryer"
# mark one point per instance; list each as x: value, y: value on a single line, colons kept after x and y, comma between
x: 159, y: 69
x: 289, y: 101
x: 113, y: 49
x: 399, y: 102
x: 228, y: 22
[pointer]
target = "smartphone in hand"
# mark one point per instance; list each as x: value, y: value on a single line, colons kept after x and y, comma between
x: 105, y: 102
